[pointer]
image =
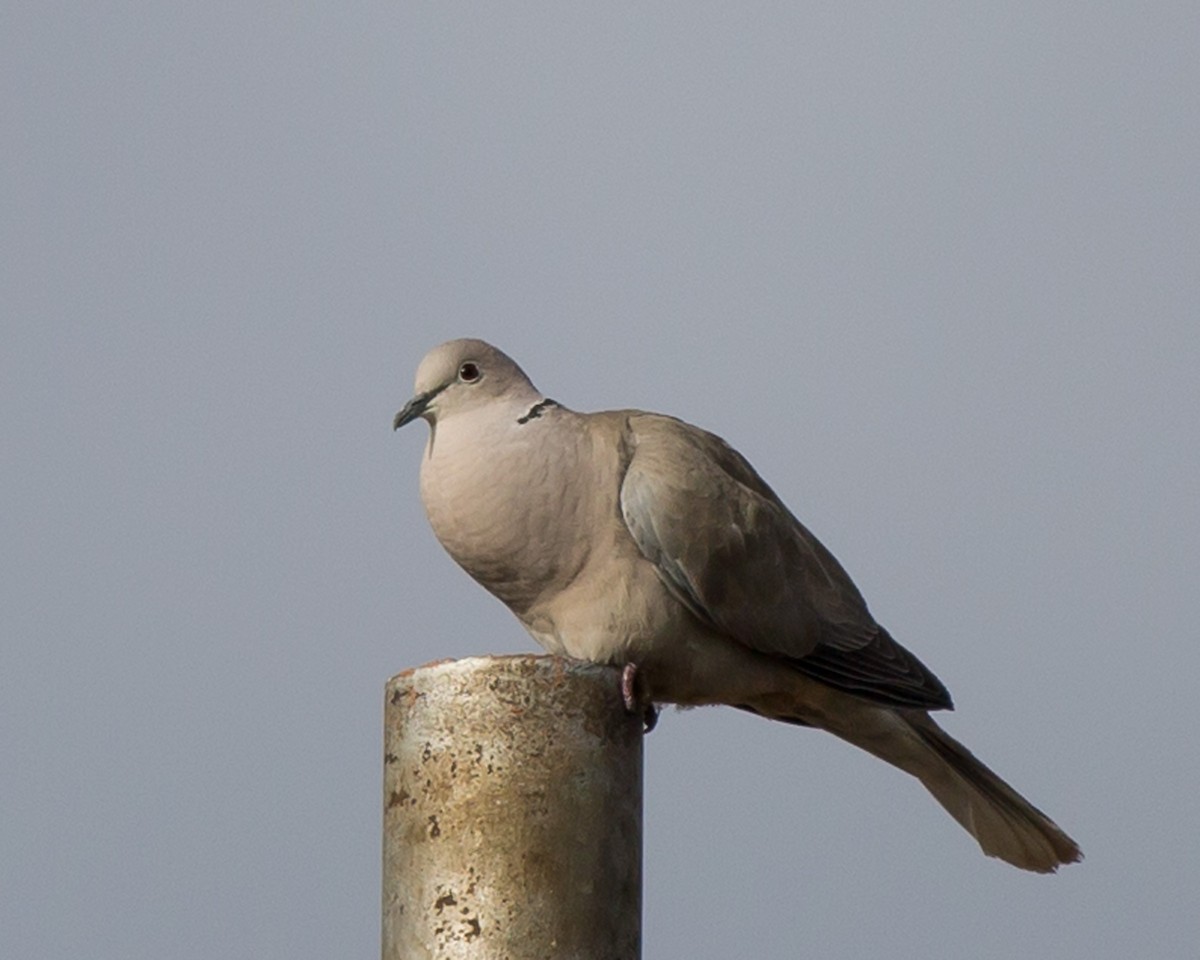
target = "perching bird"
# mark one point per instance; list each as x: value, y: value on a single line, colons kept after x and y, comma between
x: 638, y: 540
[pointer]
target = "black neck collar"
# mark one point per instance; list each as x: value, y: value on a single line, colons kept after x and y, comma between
x: 537, y: 410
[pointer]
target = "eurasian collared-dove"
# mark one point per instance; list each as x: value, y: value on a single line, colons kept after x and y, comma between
x: 637, y: 540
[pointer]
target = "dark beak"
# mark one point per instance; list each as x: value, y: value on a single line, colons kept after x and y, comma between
x: 415, y: 408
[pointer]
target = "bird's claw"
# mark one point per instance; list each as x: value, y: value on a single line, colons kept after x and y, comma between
x: 633, y: 702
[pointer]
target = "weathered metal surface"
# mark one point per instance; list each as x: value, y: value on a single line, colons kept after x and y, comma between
x: 512, y: 813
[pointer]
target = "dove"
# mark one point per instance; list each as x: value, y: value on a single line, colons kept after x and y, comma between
x: 637, y: 540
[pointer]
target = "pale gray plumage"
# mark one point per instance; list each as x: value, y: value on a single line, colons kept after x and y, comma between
x: 632, y: 538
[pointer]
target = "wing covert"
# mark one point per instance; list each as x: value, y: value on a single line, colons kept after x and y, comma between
x: 731, y: 552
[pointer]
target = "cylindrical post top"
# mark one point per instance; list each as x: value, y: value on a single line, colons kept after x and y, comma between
x: 512, y: 812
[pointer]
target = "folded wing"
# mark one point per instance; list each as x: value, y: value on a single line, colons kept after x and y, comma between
x: 729, y: 550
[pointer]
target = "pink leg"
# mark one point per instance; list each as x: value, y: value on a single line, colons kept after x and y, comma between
x: 630, y: 697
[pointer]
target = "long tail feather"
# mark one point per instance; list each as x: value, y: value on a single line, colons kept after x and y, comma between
x: 1004, y: 823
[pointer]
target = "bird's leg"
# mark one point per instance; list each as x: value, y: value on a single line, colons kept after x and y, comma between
x: 629, y: 694
x: 628, y: 683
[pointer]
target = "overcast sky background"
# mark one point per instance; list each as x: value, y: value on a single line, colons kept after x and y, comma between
x: 933, y: 268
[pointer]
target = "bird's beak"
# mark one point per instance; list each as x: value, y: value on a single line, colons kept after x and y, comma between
x: 415, y: 408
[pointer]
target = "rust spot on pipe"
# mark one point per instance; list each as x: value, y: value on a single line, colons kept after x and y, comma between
x: 398, y: 798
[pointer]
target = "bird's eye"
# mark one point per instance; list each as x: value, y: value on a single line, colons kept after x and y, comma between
x: 468, y: 372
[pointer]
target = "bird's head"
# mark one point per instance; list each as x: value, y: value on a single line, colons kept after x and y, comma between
x: 462, y: 375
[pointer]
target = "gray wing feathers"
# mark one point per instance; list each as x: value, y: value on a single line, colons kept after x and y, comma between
x: 731, y: 552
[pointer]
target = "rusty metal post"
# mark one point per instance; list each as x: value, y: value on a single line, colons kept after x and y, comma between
x: 512, y: 813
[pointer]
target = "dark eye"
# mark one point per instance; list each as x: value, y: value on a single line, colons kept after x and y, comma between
x: 468, y: 372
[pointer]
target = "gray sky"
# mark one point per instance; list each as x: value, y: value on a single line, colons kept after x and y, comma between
x: 932, y: 268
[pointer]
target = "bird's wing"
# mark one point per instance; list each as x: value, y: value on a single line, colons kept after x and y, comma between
x: 731, y: 552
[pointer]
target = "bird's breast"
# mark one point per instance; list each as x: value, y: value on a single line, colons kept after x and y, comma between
x: 512, y: 513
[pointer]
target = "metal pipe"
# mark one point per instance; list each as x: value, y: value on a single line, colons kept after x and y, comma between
x: 512, y: 812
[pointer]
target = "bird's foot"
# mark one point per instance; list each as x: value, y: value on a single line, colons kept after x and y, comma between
x: 633, y: 702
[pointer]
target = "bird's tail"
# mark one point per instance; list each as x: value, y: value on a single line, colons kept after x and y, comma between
x: 1005, y: 824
